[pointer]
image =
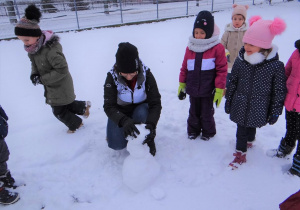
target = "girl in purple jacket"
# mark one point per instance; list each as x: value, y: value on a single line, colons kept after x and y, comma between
x: 292, y: 106
x: 203, y: 76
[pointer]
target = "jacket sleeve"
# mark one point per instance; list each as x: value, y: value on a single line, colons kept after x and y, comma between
x: 224, y: 40
x: 33, y: 66
x: 110, y: 100
x: 278, y: 91
x: 221, y: 67
x: 233, y: 82
x: 3, y: 124
x: 60, y: 67
x: 184, y: 70
x: 153, y: 99
x: 288, y: 67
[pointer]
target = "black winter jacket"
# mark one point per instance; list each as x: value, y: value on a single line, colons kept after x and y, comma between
x: 256, y: 92
x: 116, y: 112
x: 3, y: 124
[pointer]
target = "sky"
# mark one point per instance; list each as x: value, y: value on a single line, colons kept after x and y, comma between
x: 78, y: 171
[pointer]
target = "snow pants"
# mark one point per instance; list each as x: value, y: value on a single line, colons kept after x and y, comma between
x: 292, y: 129
x: 244, y: 135
x: 4, y: 155
x: 115, y: 135
x: 67, y: 114
x: 201, y: 116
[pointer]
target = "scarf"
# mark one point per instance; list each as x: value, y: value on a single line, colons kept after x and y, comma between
x: 32, y: 49
x: 201, y: 45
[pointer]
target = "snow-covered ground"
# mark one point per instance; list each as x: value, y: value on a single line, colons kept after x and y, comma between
x: 78, y: 171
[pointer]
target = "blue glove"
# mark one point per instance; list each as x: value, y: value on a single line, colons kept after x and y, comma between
x: 273, y: 119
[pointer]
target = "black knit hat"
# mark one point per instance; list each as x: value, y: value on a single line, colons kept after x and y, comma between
x: 206, y: 22
x: 28, y: 25
x: 127, y: 58
x: 297, y: 45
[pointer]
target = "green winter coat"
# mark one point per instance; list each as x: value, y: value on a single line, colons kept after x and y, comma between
x: 50, y: 63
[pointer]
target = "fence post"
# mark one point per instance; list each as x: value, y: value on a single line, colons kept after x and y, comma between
x: 121, y: 11
x: 106, y: 10
x: 157, y: 9
x: 197, y: 3
x: 75, y: 6
x: 212, y: 5
x: 11, y: 11
x: 187, y: 7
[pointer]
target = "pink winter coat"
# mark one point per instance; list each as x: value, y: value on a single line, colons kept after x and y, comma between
x: 292, y: 72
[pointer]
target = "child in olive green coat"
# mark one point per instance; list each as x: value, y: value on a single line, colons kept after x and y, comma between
x: 50, y: 68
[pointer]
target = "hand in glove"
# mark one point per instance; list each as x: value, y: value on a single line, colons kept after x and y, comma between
x: 227, y: 56
x: 181, y: 91
x: 150, y: 139
x: 218, y: 96
x: 227, y: 107
x: 35, y: 79
x: 129, y: 128
x: 273, y: 119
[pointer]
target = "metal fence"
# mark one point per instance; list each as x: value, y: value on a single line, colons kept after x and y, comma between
x: 66, y: 15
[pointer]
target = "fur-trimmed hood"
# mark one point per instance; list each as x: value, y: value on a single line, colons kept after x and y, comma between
x: 50, y: 38
x: 230, y: 27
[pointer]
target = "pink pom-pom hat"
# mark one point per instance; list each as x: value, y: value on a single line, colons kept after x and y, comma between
x: 262, y: 32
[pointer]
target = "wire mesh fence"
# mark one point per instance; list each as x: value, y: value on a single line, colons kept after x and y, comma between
x: 66, y: 15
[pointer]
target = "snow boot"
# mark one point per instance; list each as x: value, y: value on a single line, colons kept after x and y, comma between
x: 7, y: 197
x: 88, y: 105
x: 71, y: 131
x: 240, y: 158
x: 192, y: 136
x: 8, y: 180
x: 295, y: 169
x: 206, y: 138
x: 283, y: 150
x: 152, y: 148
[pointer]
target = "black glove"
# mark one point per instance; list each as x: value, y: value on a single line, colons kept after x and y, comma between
x: 273, y: 119
x: 149, y: 139
x: 182, y: 95
x: 129, y: 128
x: 35, y: 79
x: 227, y: 107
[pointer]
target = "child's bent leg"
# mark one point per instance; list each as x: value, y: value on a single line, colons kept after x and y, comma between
x: 62, y: 113
x: 115, y: 136
x: 77, y: 107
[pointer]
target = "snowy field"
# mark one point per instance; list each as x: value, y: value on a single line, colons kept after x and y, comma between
x: 78, y: 171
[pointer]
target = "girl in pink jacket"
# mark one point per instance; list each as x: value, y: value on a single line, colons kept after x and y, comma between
x: 292, y: 106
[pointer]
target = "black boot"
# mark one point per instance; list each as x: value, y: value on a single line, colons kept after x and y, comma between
x: 7, y: 197
x: 295, y: 169
x: 152, y: 148
x: 7, y: 180
x: 284, y: 148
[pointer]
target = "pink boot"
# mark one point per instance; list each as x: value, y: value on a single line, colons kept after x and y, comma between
x: 240, y: 158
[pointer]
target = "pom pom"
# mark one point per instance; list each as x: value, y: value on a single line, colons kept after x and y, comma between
x: 33, y: 13
x: 254, y: 19
x: 234, y: 5
x: 297, y: 44
x: 277, y: 26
